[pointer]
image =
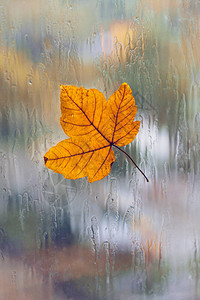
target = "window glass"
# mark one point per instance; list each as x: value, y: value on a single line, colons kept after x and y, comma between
x: 120, y: 237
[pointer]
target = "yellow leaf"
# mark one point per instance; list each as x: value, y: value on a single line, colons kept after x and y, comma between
x: 75, y: 158
x: 81, y: 110
x: 94, y: 126
x: 121, y: 110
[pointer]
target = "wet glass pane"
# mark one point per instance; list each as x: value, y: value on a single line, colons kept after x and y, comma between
x: 120, y: 237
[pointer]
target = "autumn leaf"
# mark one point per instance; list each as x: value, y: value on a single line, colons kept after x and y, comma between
x: 94, y: 126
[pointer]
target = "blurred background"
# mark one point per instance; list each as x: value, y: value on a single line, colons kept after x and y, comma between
x: 121, y: 237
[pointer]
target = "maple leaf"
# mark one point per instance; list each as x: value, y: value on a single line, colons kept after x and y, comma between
x: 93, y: 126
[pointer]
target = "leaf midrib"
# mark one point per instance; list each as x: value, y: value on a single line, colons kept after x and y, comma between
x: 111, y: 143
x: 81, y: 153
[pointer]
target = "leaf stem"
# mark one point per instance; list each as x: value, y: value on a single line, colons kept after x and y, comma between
x: 132, y: 161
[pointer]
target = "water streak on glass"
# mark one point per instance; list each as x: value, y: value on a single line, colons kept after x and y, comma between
x: 121, y: 237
